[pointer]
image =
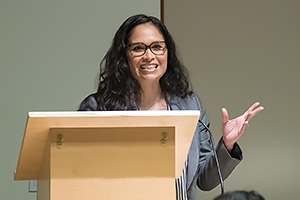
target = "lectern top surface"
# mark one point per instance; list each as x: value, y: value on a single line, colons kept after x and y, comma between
x: 115, y: 113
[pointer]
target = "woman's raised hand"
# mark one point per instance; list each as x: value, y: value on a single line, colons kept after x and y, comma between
x: 233, y: 129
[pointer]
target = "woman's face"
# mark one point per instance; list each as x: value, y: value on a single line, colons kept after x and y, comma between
x: 147, y: 54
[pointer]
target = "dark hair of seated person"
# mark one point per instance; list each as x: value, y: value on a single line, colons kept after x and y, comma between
x: 240, y: 195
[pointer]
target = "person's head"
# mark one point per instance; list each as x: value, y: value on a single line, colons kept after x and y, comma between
x: 139, y: 42
x: 147, y: 54
x: 240, y: 195
x: 142, y: 29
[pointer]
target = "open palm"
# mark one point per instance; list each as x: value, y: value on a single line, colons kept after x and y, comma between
x: 234, y: 129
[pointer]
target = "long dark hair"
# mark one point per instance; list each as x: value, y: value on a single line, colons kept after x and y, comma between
x: 117, y: 89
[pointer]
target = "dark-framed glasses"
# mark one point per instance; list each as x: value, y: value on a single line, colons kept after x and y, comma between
x: 139, y: 49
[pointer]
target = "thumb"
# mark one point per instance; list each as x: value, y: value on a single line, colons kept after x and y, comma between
x: 225, y: 115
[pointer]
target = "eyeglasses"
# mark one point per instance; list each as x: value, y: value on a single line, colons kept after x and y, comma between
x: 139, y: 49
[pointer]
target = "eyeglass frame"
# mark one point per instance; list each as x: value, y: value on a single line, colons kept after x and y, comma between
x: 148, y: 47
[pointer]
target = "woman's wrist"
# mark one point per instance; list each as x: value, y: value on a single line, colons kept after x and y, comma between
x: 228, y: 145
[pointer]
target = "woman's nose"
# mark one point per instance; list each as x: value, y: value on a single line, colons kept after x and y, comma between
x: 149, y: 54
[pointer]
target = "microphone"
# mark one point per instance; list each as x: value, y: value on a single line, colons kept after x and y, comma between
x: 215, y: 155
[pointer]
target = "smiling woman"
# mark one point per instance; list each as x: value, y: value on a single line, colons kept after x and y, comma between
x: 141, y: 71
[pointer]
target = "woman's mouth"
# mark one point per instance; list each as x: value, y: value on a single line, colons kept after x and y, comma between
x: 149, y: 66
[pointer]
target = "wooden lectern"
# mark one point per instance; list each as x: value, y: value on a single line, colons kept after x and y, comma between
x: 111, y: 155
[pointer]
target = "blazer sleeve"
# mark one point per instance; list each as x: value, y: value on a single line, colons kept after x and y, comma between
x: 208, y: 177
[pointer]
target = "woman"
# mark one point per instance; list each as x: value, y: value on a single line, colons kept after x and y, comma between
x: 141, y: 71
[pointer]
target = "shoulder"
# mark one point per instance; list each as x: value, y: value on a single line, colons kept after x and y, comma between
x: 190, y: 102
x: 89, y: 103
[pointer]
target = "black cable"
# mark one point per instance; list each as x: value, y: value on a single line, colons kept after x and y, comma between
x: 216, y: 157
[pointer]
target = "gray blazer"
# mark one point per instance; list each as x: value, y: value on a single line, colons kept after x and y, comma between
x: 201, y: 167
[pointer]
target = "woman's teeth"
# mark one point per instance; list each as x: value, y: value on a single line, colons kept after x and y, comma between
x: 148, y: 66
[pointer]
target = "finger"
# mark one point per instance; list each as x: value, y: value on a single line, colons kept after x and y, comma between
x: 225, y: 115
x: 255, y: 112
x: 253, y: 107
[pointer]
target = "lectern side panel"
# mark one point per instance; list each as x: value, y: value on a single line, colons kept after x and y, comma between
x: 32, y: 150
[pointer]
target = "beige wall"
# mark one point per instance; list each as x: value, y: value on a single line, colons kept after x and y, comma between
x: 239, y: 52
x: 50, y: 52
